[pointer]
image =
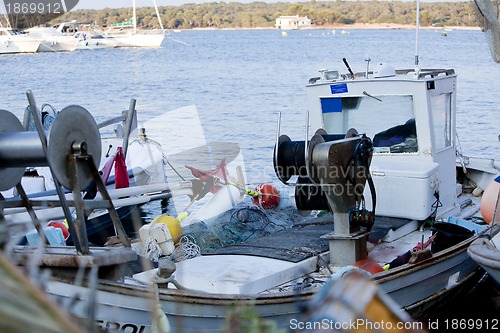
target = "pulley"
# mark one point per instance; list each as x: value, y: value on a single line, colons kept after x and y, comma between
x: 74, y: 131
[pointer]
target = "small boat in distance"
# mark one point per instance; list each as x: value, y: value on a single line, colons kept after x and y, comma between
x: 53, y: 40
x: 87, y: 36
x: 12, y: 41
x: 134, y: 37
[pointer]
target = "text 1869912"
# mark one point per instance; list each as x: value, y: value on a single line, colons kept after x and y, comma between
x: 38, y: 7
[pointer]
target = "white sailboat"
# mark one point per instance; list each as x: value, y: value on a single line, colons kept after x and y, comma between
x: 136, y: 38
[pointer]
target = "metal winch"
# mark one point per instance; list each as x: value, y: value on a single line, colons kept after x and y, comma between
x: 331, y: 170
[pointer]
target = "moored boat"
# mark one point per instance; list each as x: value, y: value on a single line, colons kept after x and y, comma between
x: 15, y: 42
x: 53, y: 40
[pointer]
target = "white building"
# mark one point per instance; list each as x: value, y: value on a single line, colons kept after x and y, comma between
x: 292, y: 22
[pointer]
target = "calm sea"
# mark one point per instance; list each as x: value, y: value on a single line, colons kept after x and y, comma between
x: 240, y: 80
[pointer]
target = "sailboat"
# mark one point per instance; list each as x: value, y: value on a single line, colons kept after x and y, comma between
x: 136, y: 38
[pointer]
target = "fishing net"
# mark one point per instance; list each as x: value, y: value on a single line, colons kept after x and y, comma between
x: 487, y: 16
x: 244, y: 222
x: 186, y: 249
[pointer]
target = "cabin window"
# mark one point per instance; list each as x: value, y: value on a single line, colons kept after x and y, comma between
x: 388, y: 120
x: 441, y: 120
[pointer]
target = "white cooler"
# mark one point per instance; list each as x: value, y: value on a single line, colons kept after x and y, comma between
x: 404, y: 189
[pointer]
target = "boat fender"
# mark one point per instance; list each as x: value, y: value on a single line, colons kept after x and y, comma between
x: 268, y: 196
x: 489, y: 200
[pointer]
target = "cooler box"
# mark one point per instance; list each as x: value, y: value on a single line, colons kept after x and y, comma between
x: 404, y: 189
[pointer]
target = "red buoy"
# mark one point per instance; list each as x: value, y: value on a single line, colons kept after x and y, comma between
x: 268, y: 198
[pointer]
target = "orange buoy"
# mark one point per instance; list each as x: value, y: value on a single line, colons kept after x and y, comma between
x: 369, y: 265
x: 489, y: 200
x: 268, y: 198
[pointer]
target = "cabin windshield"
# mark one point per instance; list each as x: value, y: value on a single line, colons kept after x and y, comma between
x: 388, y: 120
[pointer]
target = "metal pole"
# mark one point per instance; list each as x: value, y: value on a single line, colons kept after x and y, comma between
x: 128, y: 126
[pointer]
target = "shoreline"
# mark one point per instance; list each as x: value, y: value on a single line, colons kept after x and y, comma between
x: 355, y: 26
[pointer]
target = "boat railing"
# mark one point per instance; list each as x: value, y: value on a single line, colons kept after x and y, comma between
x: 428, y: 72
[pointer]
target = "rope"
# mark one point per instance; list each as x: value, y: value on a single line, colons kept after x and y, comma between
x: 186, y: 249
x: 151, y: 249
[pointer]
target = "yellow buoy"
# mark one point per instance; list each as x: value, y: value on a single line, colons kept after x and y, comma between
x: 489, y: 200
x: 173, y: 224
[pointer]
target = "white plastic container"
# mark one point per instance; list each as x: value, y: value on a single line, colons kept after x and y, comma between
x: 404, y: 189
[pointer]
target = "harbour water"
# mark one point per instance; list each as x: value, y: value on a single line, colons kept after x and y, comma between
x: 240, y: 80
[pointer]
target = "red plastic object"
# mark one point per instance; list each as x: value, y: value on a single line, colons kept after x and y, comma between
x: 269, y: 196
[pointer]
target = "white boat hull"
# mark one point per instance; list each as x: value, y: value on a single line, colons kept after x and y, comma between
x: 138, y: 39
x: 414, y: 287
x: 18, y: 44
x: 60, y: 44
x: 487, y: 254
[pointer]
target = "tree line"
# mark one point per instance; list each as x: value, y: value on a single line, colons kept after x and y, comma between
x: 263, y: 15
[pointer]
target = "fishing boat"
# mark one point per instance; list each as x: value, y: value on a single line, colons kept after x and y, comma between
x: 412, y: 243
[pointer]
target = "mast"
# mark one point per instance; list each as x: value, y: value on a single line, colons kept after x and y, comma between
x: 134, y: 16
x: 416, y: 36
x: 158, y: 15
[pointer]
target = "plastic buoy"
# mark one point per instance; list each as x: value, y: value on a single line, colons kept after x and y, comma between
x: 269, y: 196
x: 173, y: 224
x: 62, y: 226
x: 489, y: 200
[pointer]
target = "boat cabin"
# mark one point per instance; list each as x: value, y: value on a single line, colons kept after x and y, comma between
x: 410, y: 117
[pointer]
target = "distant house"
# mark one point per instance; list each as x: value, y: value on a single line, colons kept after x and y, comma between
x: 292, y: 22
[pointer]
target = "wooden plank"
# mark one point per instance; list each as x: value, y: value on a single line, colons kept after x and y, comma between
x: 61, y: 256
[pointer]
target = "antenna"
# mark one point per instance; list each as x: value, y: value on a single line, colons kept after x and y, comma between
x: 416, y: 36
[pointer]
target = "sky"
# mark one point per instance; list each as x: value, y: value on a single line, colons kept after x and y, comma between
x: 100, y: 4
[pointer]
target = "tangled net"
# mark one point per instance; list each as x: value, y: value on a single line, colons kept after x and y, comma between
x: 186, y: 248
